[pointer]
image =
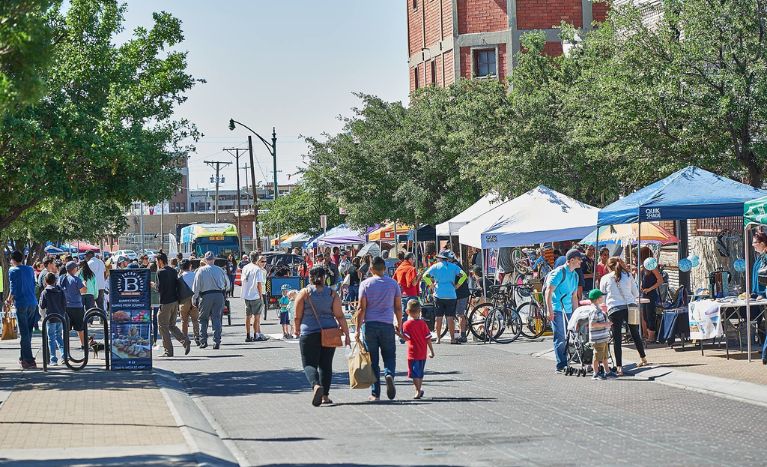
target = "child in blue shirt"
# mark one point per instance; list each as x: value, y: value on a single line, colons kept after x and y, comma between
x: 284, y: 312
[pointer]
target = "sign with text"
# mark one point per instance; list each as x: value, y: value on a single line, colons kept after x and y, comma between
x: 130, y: 319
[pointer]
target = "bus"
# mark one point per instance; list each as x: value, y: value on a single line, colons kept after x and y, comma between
x: 220, y: 238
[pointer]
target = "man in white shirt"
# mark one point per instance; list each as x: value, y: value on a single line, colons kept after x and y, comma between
x: 253, y: 287
x: 99, y: 270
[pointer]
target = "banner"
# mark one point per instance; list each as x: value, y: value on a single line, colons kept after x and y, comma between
x: 705, y: 321
x: 130, y: 319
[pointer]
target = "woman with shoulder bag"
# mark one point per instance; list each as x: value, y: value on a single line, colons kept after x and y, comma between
x: 621, y: 291
x: 319, y: 317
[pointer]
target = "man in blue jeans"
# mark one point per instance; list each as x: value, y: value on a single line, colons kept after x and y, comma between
x: 379, y: 306
x: 22, y: 279
x: 562, y: 297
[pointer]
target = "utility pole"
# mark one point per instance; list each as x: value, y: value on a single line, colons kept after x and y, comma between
x: 274, y: 157
x: 246, y: 180
x: 239, y: 204
x: 256, y: 238
x: 217, y: 165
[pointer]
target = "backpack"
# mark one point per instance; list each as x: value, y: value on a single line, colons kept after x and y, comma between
x: 184, y: 291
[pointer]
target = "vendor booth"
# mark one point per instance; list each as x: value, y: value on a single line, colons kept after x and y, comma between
x: 690, y: 193
x: 337, y: 236
x: 484, y: 204
x: 754, y: 214
x: 389, y: 232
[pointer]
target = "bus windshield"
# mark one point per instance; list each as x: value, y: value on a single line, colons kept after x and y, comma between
x: 221, y: 248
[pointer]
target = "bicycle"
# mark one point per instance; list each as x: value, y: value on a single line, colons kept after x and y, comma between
x: 488, y: 321
x: 473, y: 294
x: 532, y: 314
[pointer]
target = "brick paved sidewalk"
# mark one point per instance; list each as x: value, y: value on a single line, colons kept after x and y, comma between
x: 90, y: 417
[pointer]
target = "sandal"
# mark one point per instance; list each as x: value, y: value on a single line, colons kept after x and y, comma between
x: 642, y: 363
x: 317, y: 397
x: 419, y: 395
x: 373, y: 398
x: 619, y: 371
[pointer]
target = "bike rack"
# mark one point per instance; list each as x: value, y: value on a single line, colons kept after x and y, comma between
x: 64, y: 320
x: 69, y: 360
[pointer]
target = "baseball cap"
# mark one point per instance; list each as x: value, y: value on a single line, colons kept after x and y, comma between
x: 573, y: 253
x: 444, y: 254
x: 409, y: 256
x: 244, y: 256
x: 595, y: 294
x: 71, y: 265
x: 209, y: 256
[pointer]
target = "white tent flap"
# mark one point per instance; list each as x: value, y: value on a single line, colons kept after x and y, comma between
x: 540, y: 215
x: 484, y: 204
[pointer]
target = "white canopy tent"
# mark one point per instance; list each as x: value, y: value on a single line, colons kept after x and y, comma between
x: 484, y: 204
x: 540, y: 215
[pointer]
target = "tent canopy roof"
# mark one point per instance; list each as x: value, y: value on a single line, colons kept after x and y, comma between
x: 426, y: 233
x: 387, y: 232
x: 339, y: 235
x: 691, y: 193
x: 540, y: 215
x: 481, y: 206
x: 755, y: 211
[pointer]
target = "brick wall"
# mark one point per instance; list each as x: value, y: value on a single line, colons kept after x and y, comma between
x: 502, y: 59
x: 449, y: 68
x: 552, y: 48
x: 447, y: 17
x: 433, y: 30
x: 599, y: 11
x: 482, y: 16
x: 546, y: 14
x: 415, y: 27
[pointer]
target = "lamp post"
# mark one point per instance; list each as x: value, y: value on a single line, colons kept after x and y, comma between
x: 271, y: 147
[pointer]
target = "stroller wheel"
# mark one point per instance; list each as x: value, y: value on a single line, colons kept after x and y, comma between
x: 583, y: 372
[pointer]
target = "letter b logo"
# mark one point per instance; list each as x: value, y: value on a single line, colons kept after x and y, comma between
x: 130, y: 284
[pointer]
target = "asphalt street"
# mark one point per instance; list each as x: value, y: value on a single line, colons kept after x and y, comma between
x: 483, y: 405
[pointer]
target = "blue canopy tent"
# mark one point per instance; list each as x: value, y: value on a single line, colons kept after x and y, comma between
x: 690, y: 193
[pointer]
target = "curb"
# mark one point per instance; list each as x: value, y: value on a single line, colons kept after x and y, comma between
x: 208, y: 449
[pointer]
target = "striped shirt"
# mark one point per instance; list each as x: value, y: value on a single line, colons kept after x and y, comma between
x: 379, y: 293
x: 599, y: 326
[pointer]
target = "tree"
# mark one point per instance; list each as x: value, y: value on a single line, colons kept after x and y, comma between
x: 299, y: 211
x: 105, y: 126
x: 24, y: 49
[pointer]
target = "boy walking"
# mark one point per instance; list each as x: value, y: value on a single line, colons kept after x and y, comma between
x: 285, y: 312
x: 599, y: 335
x: 53, y: 302
x: 416, y: 333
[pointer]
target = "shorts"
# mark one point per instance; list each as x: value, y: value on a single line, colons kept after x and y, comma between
x: 416, y: 368
x: 254, y: 307
x: 284, y: 317
x: 444, y: 307
x: 600, y: 351
x: 460, y: 306
x: 76, y: 318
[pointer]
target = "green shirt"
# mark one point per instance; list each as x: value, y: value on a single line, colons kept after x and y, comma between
x: 91, y: 285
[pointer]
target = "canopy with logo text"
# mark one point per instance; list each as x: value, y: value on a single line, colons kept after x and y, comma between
x: 691, y: 193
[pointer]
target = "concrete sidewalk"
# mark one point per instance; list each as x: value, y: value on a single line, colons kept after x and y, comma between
x: 98, y: 417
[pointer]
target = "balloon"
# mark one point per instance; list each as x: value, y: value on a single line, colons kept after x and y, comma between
x: 695, y: 260
x: 651, y: 264
x: 740, y: 265
x: 685, y: 265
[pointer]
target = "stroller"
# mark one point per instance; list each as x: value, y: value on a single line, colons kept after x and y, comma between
x: 579, y: 351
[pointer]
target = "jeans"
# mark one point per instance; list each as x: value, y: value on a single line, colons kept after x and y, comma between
x: 317, y: 361
x: 352, y: 293
x: 211, y: 308
x: 55, y: 330
x: 380, y: 336
x: 25, y: 317
x: 618, y: 317
x: 764, y: 351
x: 405, y: 299
x: 560, y: 345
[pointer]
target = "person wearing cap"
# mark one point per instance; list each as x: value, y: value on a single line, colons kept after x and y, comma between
x: 407, y: 277
x: 244, y: 261
x: 253, y: 287
x: 100, y: 272
x: 168, y: 286
x: 599, y: 335
x: 344, y: 264
x: 285, y: 312
x: 447, y: 277
x: 186, y: 307
x: 73, y: 288
x: 561, y: 298
x: 209, y: 287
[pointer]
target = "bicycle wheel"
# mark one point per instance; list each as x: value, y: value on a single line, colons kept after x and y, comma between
x: 513, y: 324
x: 445, y: 328
x: 534, y: 319
x: 495, y: 324
x: 477, y: 317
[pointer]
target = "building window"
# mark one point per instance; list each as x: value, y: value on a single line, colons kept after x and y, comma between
x: 415, y: 4
x: 433, y: 72
x: 484, y: 63
x: 415, y: 71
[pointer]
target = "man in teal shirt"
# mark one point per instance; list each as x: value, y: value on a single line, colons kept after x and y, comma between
x: 447, y: 278
x: 562, y: 298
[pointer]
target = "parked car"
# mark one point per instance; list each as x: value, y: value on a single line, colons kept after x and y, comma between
x: 130, y: 254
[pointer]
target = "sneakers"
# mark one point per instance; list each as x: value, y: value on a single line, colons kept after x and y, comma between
x: 559, y: 371
x: 216, y: 346
x: 203, y: 345
x: 285, y: 335
x: 595, y: 377
x: 248, y: 339
x: 53, y: 363
x: 260, y: 337
x: 391, y: 391
x: 187, y: 347
x: 463, y: 339
x: 197, y: 341
x: 611, y: 375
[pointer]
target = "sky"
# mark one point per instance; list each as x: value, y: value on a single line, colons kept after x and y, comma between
x: 289, y: 64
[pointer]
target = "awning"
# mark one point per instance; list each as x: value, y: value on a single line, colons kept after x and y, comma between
x: 628, y: 233
x: 386, y: 233
x: 426, y: 233
x: 691, y: 193
x: 80, y: 246
x: 484, y: 204
x: 339, y: 235
x: 755, y: 211
x: 540, y: 215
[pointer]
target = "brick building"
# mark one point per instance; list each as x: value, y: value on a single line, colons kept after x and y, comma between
x: 450, y: 39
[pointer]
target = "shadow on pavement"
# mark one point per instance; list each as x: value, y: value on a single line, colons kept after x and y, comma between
x: 152, y: 460
x: 85, y: 379
x: 240, y: 383
x: 294, y: 439
x: 343, y: 465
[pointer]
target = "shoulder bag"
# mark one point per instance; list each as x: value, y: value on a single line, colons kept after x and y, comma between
x: 633, y: 308
x: 9, y: 326
x: 331, y: 337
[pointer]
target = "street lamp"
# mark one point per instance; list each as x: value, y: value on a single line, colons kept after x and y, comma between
x: 271, y: 147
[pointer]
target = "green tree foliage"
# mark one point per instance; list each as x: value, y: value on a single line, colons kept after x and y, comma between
x: 104, y: 128
x: 24, y: 49
x: 299, y: 211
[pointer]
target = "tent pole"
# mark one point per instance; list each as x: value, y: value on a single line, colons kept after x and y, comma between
x: 748, y: 290
x: 596, y: 261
